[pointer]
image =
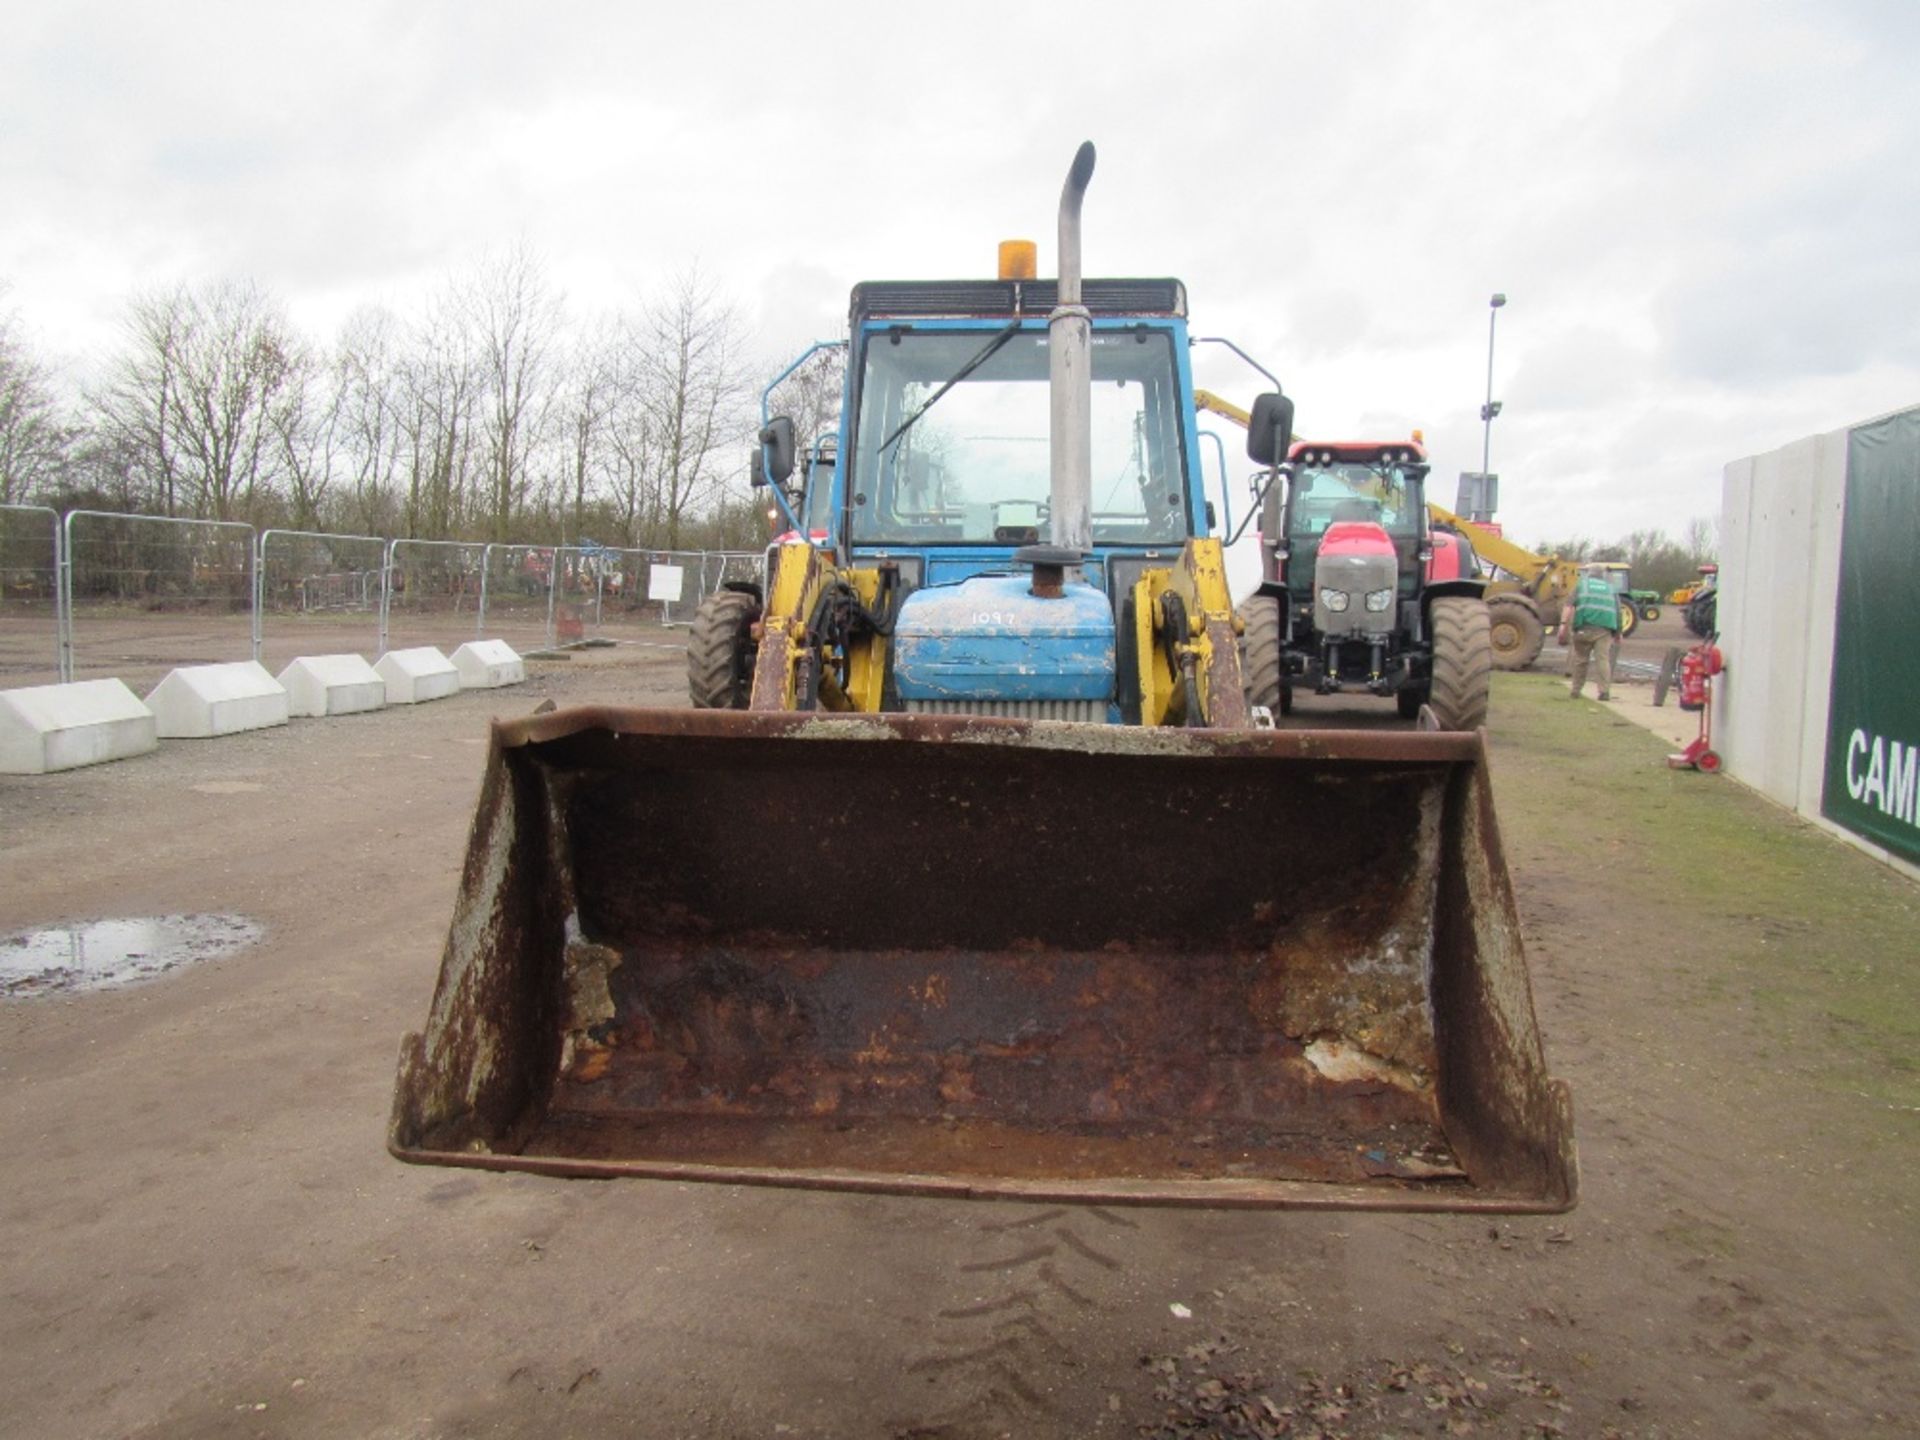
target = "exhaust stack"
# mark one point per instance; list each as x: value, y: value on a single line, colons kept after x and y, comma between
x: 1070, y: 375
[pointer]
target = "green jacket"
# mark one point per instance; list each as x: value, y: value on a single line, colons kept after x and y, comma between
x: 1596, y: 604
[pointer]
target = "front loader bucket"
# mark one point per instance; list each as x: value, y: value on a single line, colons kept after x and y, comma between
x: 967, y: 956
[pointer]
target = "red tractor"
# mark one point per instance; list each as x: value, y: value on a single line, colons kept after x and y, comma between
x: 1359, y: 591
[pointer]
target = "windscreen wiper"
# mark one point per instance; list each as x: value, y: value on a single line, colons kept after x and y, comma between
x: 986, y: 353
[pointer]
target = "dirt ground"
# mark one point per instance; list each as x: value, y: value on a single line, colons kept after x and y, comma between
x: 204, y: 1236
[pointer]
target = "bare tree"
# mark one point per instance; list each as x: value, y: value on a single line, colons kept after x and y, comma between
x: 1701, y: 540
x: 694, y: 392
x: 33, y: 439
x: 628, y: 462
x: 193, y: 393
x: 589, y: 397
x: 514, y: 320
x: 305, y: 419
x: 439, y: 417
x: 366, y: 383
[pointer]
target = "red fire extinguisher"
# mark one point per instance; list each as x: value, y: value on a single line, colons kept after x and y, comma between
x: 1697, y: 669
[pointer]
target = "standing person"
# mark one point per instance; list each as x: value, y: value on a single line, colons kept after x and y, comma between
x: 1592, y: 614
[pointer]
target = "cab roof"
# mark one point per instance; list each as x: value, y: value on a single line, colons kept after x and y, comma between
x: 998, y: 299
x: 1361, y: 452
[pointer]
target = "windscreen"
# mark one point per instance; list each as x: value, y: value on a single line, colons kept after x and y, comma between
x: 1325, y: 495
x: 969, y: 464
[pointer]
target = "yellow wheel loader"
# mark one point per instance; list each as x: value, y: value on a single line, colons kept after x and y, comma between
x: 971, y: 873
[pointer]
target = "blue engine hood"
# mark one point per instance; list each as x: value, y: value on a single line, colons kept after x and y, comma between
x: 986, y: 638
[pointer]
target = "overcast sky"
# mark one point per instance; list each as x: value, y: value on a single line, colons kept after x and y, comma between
x: 1704, y: 215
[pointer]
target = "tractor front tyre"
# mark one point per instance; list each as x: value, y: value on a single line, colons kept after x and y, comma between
x: 1649, y: 613
x: 720, y: 649
x: 1515, y: 631
x: 1261, y: 657
x: 1462, y: 663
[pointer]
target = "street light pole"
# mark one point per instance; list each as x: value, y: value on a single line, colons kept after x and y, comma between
x: 1490, y: 409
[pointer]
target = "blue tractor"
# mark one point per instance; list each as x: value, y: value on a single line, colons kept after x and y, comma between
x: 970, y: 873
x: 991, y: 542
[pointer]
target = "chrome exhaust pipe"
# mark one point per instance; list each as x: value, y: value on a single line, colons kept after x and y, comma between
x: 1070, y: 377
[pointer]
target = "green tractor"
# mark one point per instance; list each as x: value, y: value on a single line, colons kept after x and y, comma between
x: 1636, y: 606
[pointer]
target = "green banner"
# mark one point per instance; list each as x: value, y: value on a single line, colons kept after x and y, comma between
x: 1873, y: 725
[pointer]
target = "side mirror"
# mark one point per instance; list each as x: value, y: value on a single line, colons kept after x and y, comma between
x: 1270, y: 432
x: 776, y: 451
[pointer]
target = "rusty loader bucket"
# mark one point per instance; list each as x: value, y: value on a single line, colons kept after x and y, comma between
x: 967, y: 956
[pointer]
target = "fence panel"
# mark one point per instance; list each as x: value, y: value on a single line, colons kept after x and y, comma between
x: 317, y: 594
x: 433, y: 594
x: 145, y: 593
x: 31, y: 618
x: 720, y: 566
x: 517, y: 603
x: 590, y: 588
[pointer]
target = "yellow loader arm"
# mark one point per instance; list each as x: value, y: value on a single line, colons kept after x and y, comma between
x: 1545, y: 577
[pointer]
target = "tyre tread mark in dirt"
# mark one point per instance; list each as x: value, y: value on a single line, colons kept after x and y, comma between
x: 986, y: 1350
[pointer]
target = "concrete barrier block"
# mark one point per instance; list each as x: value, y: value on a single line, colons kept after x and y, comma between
x: 417, y: 675
x: 332, y: 685
x: 488, y: 664
x: 44, y: 728
x: 198, y: 702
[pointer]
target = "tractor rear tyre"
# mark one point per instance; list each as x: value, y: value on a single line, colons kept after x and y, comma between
x: 1462, y: 663
x: 1516, y: 632
x: 1701, y: 613
x: 720, y: 649
x: 1260, y: 662
x: 1629, y: 619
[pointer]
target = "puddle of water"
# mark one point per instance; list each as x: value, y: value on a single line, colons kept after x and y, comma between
x: 98, y: 954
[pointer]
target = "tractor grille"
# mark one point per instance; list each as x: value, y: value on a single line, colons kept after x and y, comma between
x: 1092, y: 712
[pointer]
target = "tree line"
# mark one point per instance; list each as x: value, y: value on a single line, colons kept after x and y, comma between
x: 487, y: 413
x: 1659, y: 561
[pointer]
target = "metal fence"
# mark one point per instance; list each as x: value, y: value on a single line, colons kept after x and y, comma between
x: 433, y: 594
x: 99, y: 593
x: 316, y: 593
x: 32, y: 620
x: 516, y: 595
x: 145, y: 593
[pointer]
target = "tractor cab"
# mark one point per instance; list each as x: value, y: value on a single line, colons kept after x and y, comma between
x: 1346, y: 500
x: 941, y: 486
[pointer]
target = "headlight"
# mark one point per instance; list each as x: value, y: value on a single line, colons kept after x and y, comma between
x: 1378, y: 600
x: 1334, y: 600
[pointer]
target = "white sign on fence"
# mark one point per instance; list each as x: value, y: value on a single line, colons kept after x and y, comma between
x: 664, y: 583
